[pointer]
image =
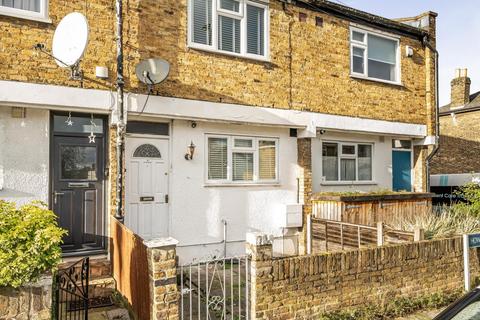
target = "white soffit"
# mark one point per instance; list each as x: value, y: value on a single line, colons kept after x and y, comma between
x: 13, y: 93
x: 309, y: 121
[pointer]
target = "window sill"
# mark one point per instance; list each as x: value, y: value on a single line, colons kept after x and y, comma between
x: 226, y: 53
x: 349, y: 183
x: 25, y: 16
x: 229, y: 184
x: 393, y: 83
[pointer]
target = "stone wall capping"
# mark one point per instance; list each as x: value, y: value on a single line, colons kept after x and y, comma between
x: 160, y: 242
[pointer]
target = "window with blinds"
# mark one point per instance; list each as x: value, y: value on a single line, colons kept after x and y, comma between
x: 237, y: 27
x: 347, y: 161
x: 217, y: 158
x: 34, y: 9
x: 242, y: 159
x: 374, y: 56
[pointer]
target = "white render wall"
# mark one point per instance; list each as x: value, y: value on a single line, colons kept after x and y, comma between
x: 382, y: 163
x: 197, y: 211
x: 24, y: 156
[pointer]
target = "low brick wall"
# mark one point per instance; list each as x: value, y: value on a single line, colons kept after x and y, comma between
x: 32, y: 301
x: 308, y: 286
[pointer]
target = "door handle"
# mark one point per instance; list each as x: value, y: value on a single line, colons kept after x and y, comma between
x: 55, y: 195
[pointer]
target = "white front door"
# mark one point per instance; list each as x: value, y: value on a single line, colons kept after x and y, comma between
x: 147, y: 186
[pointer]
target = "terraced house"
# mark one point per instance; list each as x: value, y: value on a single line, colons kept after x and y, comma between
x: 267, y: 102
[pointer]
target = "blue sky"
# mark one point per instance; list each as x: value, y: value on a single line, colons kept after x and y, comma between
x: 458, y: 28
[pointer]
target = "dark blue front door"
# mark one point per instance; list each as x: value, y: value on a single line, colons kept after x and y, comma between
x: 402, y: 170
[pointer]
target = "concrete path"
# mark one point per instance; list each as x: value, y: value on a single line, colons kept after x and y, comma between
x: 110, y: 313
x: 424, y: 315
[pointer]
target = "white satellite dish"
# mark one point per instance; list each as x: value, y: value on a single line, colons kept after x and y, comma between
x: 152, y: 71
x: 70, y: 40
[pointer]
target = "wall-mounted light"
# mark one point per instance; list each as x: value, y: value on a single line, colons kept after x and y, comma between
x: 190, y: 151
x: 409, y: 51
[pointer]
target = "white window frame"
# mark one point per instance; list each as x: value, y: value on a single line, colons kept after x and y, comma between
x: 254, y: 150
x: 41, y: 16
x: 216, y: 12
x: 364, y: 45
x: 341, y: 156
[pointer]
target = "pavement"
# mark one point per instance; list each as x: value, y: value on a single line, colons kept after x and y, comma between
x: 109, y: 313
x: 424, y: 315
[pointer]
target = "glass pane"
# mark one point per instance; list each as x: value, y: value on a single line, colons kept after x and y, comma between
x: 358, y: 36
x: 470, y: 312
x: 358, y: 60
x: 381, y: 70
x: 202, y: 21
x: 243, y: 143
x: 348, y: 149
x: 330, y: 161
x: 28, y: 5
x: 364, y: 162
x: 229, y: 34
x: 381, y: 49
x: 147, y: 151
x: 401, y: 144
x: 267, y: 160
x: 347, y: 169
x: 78, y: 162
x: 78, y: 124
x: 255, y: 30
x: 232, y: 5
x: 242, y: 166
x: 217, y: 158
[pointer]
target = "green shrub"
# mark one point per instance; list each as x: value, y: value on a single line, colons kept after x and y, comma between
x: 471, y: 193
x: 29, y: 242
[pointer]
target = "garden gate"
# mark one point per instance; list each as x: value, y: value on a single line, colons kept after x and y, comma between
x: 70, y: 292
x: 215, y: 290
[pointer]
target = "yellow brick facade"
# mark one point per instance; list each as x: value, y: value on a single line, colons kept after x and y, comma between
x: 309, y: 67
x: 459, y: 144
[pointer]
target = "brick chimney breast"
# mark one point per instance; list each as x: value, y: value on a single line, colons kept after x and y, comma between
x: 460, y: 88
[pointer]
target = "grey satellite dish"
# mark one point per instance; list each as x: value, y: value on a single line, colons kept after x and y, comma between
x: 152, y: 71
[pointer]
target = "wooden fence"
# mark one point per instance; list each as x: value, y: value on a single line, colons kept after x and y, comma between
x: 328, y: 235
x: 130, y: 268
x: 368, y: 210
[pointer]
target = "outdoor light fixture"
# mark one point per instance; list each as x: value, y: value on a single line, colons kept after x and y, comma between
x: 190, y: 151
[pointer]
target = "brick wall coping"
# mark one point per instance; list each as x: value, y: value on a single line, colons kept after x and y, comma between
x: 160, y: 242
x: 373, y: 197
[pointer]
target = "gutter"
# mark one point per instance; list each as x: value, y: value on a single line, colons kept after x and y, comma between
x: 437, y: 114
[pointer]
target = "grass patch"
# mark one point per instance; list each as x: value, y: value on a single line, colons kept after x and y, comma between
x: 395, y: 308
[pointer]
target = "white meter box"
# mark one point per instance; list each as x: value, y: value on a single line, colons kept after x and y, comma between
x: 293, y: 216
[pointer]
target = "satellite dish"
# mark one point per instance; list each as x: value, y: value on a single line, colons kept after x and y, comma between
x: 152, y: 71
x: 70, y: 40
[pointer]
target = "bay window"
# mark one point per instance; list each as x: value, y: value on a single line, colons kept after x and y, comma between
x: 234, y: 159
x: 374, y: 56
x: 235, y: 27
x: 27, y: 9
x: 346, y: 162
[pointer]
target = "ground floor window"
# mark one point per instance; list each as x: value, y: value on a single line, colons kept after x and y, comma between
x: 239, y: 159
x: 344, y: 161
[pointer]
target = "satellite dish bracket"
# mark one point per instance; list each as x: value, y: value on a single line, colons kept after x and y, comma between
x: 75, y: 72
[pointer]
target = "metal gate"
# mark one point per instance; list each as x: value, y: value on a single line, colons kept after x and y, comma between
x: 214, y: 290
x: 70, y: 292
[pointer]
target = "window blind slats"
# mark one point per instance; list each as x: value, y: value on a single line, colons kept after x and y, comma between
x: 229, y: 34
x: 202, y: 21
x: 255, y: 30
x: 232, y: 5
x: 29, y: 5
x: 242, y: 166
x: 267, y: 159
x: 217, y: 158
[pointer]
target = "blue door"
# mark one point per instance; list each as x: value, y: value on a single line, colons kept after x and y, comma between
x: 402, y: 170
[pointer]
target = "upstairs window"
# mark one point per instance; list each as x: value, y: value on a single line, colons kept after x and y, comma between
x: 27, y: 9
x: 232, y: 159
x: 234, y: 27
x: 374, y: 56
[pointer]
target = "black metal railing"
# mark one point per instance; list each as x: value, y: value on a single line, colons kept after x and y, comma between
x: 70, y: 292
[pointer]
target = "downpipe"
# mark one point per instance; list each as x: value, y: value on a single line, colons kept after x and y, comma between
x: 437, y: 114
x: 120, y: 143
